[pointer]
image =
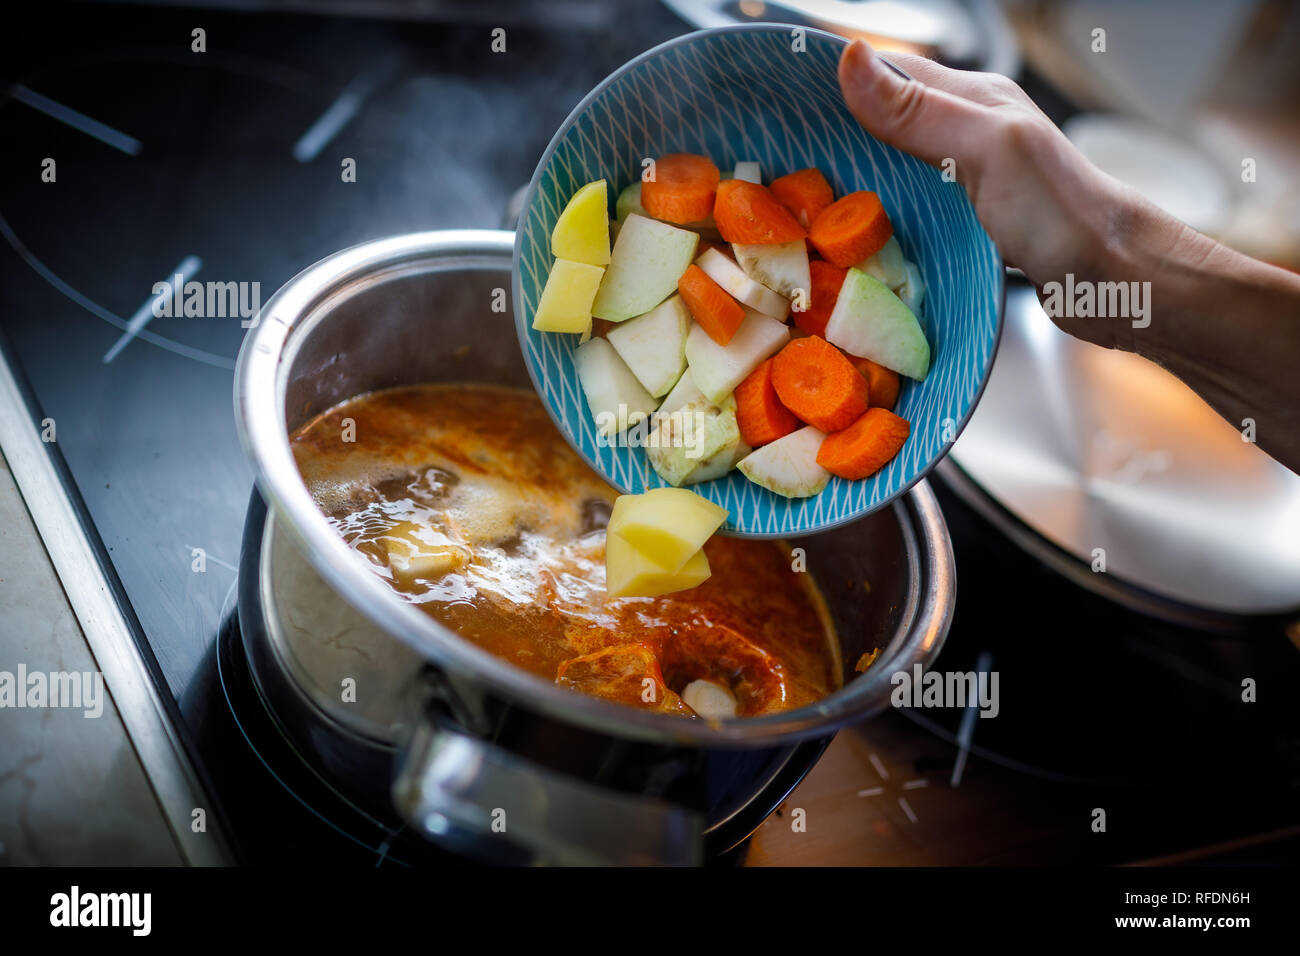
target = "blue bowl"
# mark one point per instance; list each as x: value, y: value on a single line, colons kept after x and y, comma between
x: 743, y: 93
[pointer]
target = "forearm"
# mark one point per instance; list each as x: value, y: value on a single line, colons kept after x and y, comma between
x: 1226, y: 324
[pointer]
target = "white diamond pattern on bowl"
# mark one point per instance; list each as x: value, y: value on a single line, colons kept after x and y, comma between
x: 742, y: 94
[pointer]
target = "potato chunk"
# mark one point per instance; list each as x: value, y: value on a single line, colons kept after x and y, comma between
x: 416, y: 552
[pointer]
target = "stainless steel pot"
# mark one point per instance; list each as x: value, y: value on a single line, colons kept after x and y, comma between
x: 499, y: 761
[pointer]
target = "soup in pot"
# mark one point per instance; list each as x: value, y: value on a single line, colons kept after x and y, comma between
x: 466, y: 499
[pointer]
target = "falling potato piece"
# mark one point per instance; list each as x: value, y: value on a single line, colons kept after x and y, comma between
x: 667, y: 525
x: 629, y: 572
x: 411, y: 556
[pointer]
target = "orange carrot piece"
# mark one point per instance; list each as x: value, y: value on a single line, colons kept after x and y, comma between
x: 805, y: 193
x: 851, y: 229
x: 759, y: 412
x: 826, y: 282
x: 748, y: 212
x: 815, y: 381
x: 683, y: 188
x: 866, y: 446
x: 716, y: 311
x: 882, y: 383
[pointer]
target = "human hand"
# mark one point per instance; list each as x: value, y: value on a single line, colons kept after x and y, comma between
x: 1226, y: 324
x: 1049, y: 210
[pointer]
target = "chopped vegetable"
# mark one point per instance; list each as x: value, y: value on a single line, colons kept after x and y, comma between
x: 647, y: 260
x: 869, y: 321
x: 788, y: 466
x: 685, y: 439
x: 882, y: 383
x: 782, y: 267
x: 667, y: 525
x: 887, y: 265
x: 565, y: 305
x: 815, y: 381
x: 748, y: 213
x: 629, y: 573
x: 683, y: 188
x: 718, y: 369
x: 805, y: 193
x: 826, y: 282
x: 866, y: 660
x: 683, y: 393
x: 723, y: 270
x: 615, y: 397
x: 720, y: 462
x: 654, y: 542
x: 733, y: 376
x: 912, y: 292
x: 866, y: 446
x: 582, y: 231
x: 711, y: 701
x: 629, y: 202
x: 759, y: 412
x: 850, y: 229
x: 718, y: 313
x: 414, y: 552
x: 654, y: 345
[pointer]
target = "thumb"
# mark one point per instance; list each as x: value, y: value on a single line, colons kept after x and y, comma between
x: 918, y: 119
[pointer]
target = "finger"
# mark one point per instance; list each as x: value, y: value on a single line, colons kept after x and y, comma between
x: 928, y: 72
x: 924, y: 121
x: 987, y: 89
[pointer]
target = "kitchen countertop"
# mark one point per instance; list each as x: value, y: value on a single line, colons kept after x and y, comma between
x: 72, y: 790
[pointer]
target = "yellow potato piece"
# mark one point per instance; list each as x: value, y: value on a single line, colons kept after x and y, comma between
x: 667, y: 525
x: 410, y: 556
x: 629, y: 573
x: 581, y: 233
x: 566, y: 299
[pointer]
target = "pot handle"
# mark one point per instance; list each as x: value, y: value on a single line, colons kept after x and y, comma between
x: 468, y: 795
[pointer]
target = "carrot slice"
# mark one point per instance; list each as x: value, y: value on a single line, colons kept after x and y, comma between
x: 851, y: 229
x: 682, y: 190
x: 805, y: 193
x: 748, y: 213
x: 759, y: 412
x: 866, y: 446
x: 882, y: 383
x: 826, y: 282
x: 716, y: 311
x: 815, y: 381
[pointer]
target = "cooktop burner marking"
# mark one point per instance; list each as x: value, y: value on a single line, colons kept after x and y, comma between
x: 338, y: 115
x: 80, y: 121
x: 907, y: 808
x: 95, y: 309
x: 916, y: 784
x: 175, y: 286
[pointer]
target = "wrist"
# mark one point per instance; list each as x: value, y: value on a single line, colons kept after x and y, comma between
x: 1166, y: 263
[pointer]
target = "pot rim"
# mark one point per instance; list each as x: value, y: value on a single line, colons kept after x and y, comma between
x: 260, y: 389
